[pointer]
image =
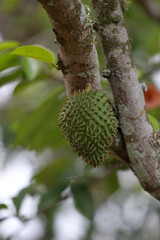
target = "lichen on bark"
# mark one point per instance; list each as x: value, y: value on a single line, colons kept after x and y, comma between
x: 76, y: 47
x: 78, y: 62
x: 128, y: 95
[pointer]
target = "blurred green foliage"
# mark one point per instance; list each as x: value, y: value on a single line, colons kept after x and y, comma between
x: 30, y: 119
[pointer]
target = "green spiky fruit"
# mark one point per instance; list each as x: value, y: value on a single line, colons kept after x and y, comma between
x: 89, y: 125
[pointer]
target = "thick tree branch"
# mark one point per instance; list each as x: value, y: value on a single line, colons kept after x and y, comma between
x: 128, y: 95
x: 77, y: 52
x: 151, y: 8
x: 75, y: 39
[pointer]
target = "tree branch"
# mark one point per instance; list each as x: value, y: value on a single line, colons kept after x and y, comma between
x: 76, y: 47
x: 77, y: 52
x: 78, y: 62
x: 136, y: 128
x: 118, y: 149
x: 151, y: 8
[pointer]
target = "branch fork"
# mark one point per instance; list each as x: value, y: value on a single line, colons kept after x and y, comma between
x: 78, y: 62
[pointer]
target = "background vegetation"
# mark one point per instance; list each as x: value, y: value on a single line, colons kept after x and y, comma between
x: 109, y: 200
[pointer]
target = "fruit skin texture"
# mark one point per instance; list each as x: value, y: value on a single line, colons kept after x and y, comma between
x: 89, y: 125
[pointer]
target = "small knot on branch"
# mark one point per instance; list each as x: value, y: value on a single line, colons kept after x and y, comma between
x: 106, y: 73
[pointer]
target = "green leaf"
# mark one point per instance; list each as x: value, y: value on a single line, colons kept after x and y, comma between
x: 8, y: 45
x: 7, y: 60
x: 11, y: 76
x: 83, y: 199
x: 155, y: 112
x: 52, y: 173
x: 10, y: 5
x: 111, y: 183
x: 21, y: 195
x: 36, y: 52
x: 21, y: 87
x: 2, y: 219
x: 41, y: 125
x: 55, y: 176
x: 31, y: 68
x: 51, y: 197
x: 3, y: 206
x: 154, y: 122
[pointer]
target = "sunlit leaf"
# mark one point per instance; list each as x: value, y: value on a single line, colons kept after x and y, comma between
x: 83, y: 199
x: 156, y: 113
x: 8, y: 45
x: 154, y: 122
x: 7, y: 60
x: 112, y: 183
x: 31, y: 67
x: 36, y: 52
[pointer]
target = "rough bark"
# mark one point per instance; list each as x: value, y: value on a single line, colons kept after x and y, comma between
x: 128, y: 95
x: 78, y: 62
x: 76, y: 47
x: 77, y: 53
